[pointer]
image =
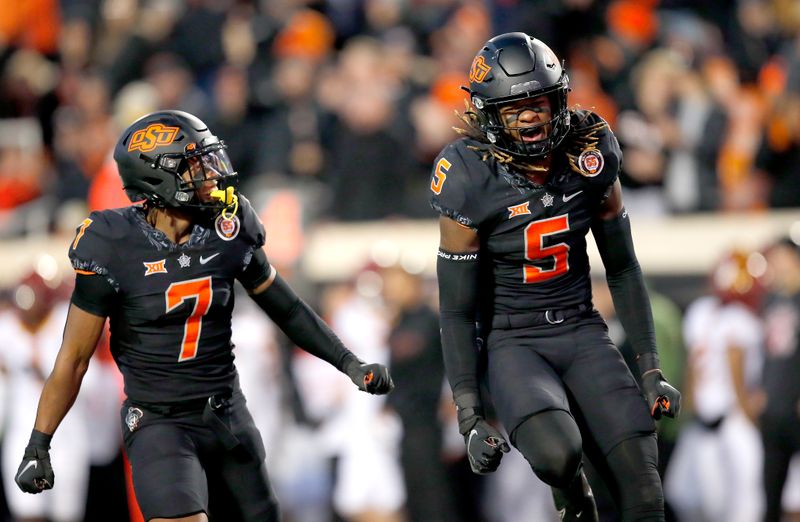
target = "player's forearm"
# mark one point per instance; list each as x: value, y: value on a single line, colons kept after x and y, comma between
x: 59, y: 393
x: 458, y: 296
x: 301, y: 324
x: 459, y: 351
x: 626, y: 283
x: 308, y: 331
x: 633, y: 309
x: 81, y: 334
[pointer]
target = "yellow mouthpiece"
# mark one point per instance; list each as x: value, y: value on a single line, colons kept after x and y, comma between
x: 229, y: 198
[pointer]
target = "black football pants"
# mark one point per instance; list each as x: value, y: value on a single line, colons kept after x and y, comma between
x: 781, y: 436
x: 551, y: 442
x: 182, y: 465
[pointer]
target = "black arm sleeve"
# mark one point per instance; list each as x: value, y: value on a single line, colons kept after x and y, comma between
x: 458, y: 297
x: 301, y: 324
x: 94, y: 294
x: 625, y: 280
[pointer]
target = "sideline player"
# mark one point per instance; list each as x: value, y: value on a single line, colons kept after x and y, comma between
x: 715, y: 470
x: 517, y: 195
x: 163, y: 273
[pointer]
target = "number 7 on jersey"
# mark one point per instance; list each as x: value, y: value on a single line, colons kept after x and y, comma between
x: 200, y: 290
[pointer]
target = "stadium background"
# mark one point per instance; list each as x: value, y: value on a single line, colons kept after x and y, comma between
x: 333, y: 111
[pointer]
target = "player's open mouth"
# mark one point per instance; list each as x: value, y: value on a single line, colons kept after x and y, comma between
x: 533, y: 134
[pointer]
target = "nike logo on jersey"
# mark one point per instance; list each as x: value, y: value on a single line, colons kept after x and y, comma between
x: 32, y: 463
x: 519, y: 210
x: 204, y: 260
x: 567, y: 198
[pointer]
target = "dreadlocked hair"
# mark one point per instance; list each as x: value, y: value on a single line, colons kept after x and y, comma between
x: 582, y: 137
x: 579, y: 138
x: 472, y: 130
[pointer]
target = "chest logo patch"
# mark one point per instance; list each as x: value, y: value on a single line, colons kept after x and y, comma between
x: 547, y: 200
x: 155, y: 267
x: 519, y: 210
x: 227, y: 227
x: 591, y: 162
x: 184, y: 260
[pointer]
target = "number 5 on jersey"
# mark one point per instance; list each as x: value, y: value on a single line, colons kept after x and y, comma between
x: 440, y: 175
x: 535, y: 234
x: 200, y: 290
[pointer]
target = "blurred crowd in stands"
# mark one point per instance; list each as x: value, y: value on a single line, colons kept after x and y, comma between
x: 348, y: 101
x: 332, y: 111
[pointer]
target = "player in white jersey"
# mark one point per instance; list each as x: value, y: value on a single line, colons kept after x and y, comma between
x: 715, y: 472
x: 32, y: 329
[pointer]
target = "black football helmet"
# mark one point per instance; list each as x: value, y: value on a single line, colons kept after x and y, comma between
x: 511, y: 67
x: 155, y: 152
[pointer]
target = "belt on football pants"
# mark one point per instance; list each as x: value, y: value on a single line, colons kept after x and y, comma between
x: 167, y: 409
x: 510, y: 321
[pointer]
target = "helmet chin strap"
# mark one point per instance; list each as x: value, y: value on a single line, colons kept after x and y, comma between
x: 229, y: 198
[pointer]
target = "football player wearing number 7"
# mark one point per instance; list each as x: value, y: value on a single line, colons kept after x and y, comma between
x: 517, y: 194
x: 162, y: 272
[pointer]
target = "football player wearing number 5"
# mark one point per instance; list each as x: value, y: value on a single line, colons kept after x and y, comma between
x: 517, y: 194
x: 163, y: 273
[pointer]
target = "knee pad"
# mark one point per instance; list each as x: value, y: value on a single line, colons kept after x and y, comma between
x: 551, y: 443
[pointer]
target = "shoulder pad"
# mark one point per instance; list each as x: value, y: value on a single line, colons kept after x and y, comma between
x: 452, y: 183
x: 93, y: 247
x: 252, y: 227
x: 593, y: 149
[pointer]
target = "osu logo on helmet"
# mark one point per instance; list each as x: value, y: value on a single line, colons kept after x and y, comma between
x: 479, y: 70
x: 152, y: 136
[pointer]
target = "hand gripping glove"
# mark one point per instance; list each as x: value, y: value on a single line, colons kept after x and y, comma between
x: 35, y: 474
x: 485, y: 445
x: 371, y: 378
x: 662, y: 397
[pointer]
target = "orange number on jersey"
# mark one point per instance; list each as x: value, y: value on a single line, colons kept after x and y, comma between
x: 440, y: 175
x: 200, y: 291
x: 535, y: 233
x: 84, y: 226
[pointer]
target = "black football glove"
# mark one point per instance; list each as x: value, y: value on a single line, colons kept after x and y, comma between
x: 35, y: 474
x: 485, y: 447
x: 371, y: 378
x: 662, y: 397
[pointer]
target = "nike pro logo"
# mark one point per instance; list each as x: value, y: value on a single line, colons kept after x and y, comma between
x: 567, y: 198
x: 204, y: 260
x: 34, y: 463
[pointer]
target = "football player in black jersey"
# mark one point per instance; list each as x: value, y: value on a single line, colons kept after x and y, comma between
x: 517, y: 195
x: 163, y: 273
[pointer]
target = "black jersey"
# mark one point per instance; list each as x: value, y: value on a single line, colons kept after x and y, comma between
x: 782, y: 363
x: 533, y: 237
x: 171, y: 319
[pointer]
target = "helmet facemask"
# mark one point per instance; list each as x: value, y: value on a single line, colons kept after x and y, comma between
x: 204, y: 177
x: 516, y: 140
